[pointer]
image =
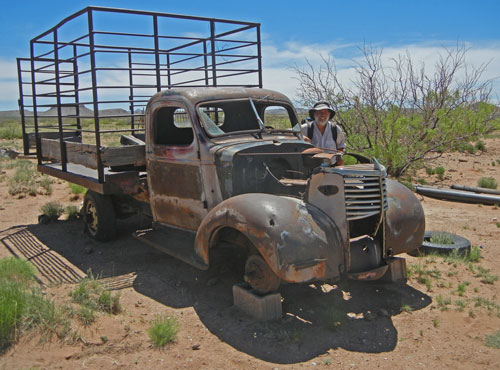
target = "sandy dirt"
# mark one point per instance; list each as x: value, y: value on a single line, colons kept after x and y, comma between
x: 400, y: 326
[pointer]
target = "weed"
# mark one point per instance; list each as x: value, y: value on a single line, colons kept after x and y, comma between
x: 498, y: 224
x: 429, y: 171
x: 406, y: 308
x: 461, y: 288
x: 486, y: 303
x: 474, y: 254
x: 109, y: 303
x: 93, y: 297
x: 24, y: 179
x: 327, y: 361
x: 163, y: 330
x: 461, y: 304
x: 46, y: 183
x: 11, y: 130
x: 16, y: 270
x: 435, y: 323
x: 52, y: 210
x: 422, y: 181
x: 86, y: 315
x: 22, y: 307
x: 487, y: 182
x: 480, y: 146
x: 72, y: 212
x: 443, y: 302
x: 76, y: 189
x: 486, y: 276
x: 335, y: 318
x: 493, y: 340
x: 469, y: 148
x: 440, y: 172
x: 442, y: 238
x: 472, y: 314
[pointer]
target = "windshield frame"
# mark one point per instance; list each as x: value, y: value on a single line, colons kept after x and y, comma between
x: 209, y: 127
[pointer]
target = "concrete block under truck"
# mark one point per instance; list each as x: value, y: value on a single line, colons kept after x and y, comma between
x: 202, y: 154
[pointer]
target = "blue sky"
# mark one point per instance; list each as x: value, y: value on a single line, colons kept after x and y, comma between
x: 291, y: 30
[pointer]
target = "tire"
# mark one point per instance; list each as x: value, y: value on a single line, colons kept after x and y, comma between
x: 99, y: 216
x: 460, y: 245
x: 260, y: 276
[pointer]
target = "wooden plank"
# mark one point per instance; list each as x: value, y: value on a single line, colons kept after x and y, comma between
x: 68, y: 136
x: 124, y: 155
x: 86, y: 154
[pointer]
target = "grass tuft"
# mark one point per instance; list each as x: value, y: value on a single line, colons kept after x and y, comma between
x: 163, y: 330
x: 493, y: 340
x: 52, y: 210
x: 487, y: 182
x: 94, y: 298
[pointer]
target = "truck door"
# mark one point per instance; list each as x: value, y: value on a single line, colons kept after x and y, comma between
x: 173, y: 164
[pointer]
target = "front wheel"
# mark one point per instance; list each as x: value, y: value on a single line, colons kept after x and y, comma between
x: 99, y: 216
x: 260, y: 276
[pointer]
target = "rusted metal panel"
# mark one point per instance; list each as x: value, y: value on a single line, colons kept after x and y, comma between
x: 405, y: 219
x: 297, y: 240
x: 181, y: 180
x: 326, y: 191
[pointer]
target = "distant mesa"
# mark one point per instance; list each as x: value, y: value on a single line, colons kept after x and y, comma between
x: 66, y: 111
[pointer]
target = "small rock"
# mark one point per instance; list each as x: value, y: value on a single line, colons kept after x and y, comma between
x: 195, y: 347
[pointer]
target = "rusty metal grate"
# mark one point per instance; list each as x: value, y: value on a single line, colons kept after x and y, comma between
x: 365, y: 196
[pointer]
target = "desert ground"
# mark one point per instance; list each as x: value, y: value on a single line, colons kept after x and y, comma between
x: 398, y: 326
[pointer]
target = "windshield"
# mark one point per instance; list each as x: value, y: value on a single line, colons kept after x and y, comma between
x: 232, y: 116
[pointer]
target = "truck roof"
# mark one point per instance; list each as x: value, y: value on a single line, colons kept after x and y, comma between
x: 196, y: 95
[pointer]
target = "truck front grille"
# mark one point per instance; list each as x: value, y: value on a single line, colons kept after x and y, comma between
x: 365, y: 196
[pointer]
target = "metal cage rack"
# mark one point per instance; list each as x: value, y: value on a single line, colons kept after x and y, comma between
x: 106, y: 63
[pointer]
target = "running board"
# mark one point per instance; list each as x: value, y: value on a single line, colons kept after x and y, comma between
x: 176, y: 243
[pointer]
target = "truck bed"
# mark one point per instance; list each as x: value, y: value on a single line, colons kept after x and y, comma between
x: 125, y: 182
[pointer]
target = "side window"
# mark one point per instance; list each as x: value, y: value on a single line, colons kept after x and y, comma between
x: 277, y: 117
x: 172, y: 126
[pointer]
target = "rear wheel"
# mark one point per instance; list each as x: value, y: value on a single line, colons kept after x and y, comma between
x: 260, y: 276
x: 99, y: 216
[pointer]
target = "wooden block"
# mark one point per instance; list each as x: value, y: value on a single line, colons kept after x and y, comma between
x: 263, y: 308
x: 396, y: 273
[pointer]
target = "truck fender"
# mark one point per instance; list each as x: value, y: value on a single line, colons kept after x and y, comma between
x: 405, y: 219
x: 298, y: 241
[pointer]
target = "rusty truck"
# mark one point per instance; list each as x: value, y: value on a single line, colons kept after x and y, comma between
x: 220, y: 161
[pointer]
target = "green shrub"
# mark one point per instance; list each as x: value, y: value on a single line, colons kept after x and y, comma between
x: 163, y: 330
x: 487, y: 182
x: 77, y: 189
x: 481, y: 146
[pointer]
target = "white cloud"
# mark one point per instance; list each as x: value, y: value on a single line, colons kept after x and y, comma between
x: 278, y: 58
